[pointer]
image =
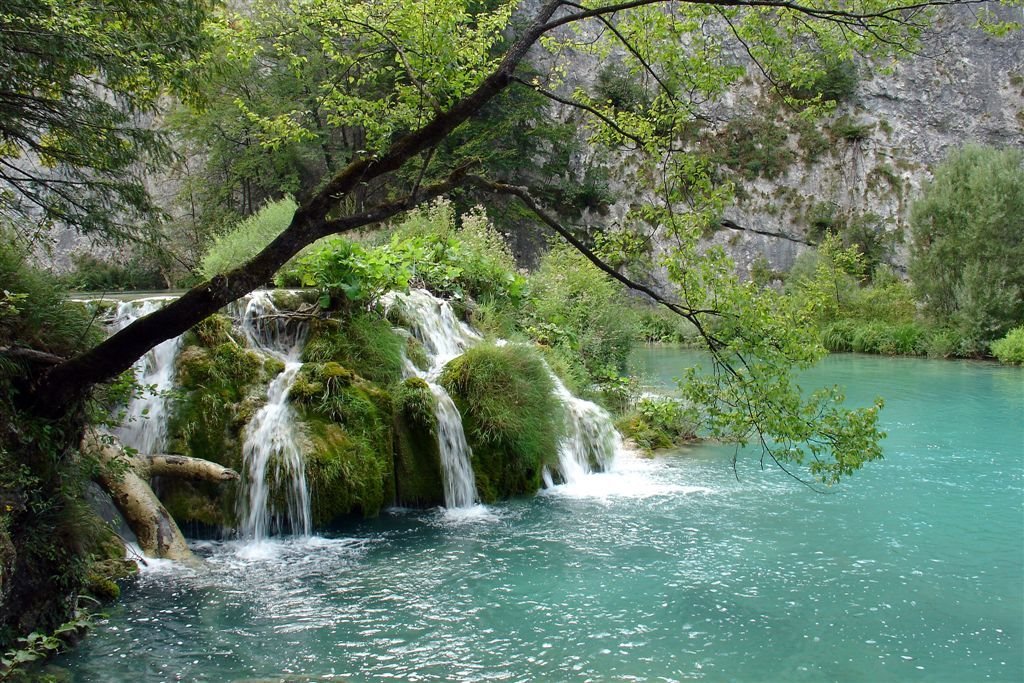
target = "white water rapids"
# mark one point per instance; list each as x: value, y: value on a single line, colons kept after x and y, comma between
x: 444, y: 337
x: 144, y: 426
x: 274, y: 494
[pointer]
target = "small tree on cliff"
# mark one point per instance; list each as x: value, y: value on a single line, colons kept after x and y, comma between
x: 409, y: 76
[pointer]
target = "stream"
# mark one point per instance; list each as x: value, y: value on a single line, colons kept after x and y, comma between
x: 669, y: 569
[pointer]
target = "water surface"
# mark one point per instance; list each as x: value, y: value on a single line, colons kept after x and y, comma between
x: 664, y: 570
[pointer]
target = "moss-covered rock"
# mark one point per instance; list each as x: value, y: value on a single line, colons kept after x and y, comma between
x: 212, y: 332
x: 220, y: 388
x: 348, y: 441
x: 363, y: 343
x: 418, y: 478
x: 511, y: 417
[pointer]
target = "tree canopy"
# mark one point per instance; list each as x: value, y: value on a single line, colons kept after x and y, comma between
x: 81, y: 81
x: 385, y: 88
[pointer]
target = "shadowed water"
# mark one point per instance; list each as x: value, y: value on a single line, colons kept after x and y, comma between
x: 663, y: 570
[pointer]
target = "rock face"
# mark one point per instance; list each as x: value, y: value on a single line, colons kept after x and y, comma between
x: 875, y: 152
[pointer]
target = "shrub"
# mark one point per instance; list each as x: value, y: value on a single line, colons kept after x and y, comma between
x: 1010, y: 349
x: 426, y: 250
x: 835, y: 81
x: 656, y: 324
x: 621, y: 89
x: 755, y: 147
x: 967, y: 246
x: 512, y: 419
x: 575, y: 307
x: 657, y: 423
x: 91, y: 274
x: 837, y: 336
x: 942, y: 343
x: 248, y: 237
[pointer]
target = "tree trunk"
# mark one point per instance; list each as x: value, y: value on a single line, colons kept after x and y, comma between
x: 125, y: 477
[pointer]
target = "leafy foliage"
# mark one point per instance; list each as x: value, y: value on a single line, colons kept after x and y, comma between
x: 579, y: 312
x: 1010, y: 349
x: 78, y: 77
x: 656, y: 423
x: 967, y: 248
x: 247, y: 238
x: 426, y: 250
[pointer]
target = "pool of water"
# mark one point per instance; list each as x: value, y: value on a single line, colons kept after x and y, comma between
x: 665, y: 570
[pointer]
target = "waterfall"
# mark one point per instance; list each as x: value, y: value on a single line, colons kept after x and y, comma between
x: 272, y: 464
x: 144, y: 427
x: 444, y: 337
x: 591, y: 440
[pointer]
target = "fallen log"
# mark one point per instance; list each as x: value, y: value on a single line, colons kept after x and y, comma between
x: 125, y: 477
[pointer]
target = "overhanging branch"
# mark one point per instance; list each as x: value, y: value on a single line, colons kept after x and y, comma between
x: 523, y: 195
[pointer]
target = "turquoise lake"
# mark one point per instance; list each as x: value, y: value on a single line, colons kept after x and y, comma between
x: 670, y: 569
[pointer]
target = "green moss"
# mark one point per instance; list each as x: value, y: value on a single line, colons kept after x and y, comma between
x: 512, y: 419
x: 196, y: 503
x: 293, y: 300
x: 364, y: 343
x: 347, y: 422
x: 348, y: 467
x: 220, y: 389
x: 213, y: 331
x: 418, y: 479
x: 415, y: 352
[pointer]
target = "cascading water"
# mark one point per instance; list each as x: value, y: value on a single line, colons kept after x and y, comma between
x: 591, y: 440
x: 272, y: 461
x: 444, y: 337
x: 144, y: 427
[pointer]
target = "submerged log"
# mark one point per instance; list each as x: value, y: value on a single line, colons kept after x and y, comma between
x: 126, y: 478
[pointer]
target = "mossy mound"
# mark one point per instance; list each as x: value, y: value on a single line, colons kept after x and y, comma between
x: 511, y: 417
x: 418, y: 479
x: 347, y: 425
x: 221, y: 388
x: 364, y: 343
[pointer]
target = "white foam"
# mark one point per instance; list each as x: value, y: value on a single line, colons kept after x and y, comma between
x: 630, y: 476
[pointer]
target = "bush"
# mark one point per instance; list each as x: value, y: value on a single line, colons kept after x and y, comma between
x: 967, y: 246
x: 837, y: 336
x: 512, y: 419
x: 942, y: 343
x: 657, y: 423
x: 658, y: 325
x: 426, y: 250
x: 1010, y: 349
x: 621, y: 89
x: 248, y: 237
x: 755, y: 147
x: 91, y: 274
x: 835, y: 81
x: 576, y: 308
